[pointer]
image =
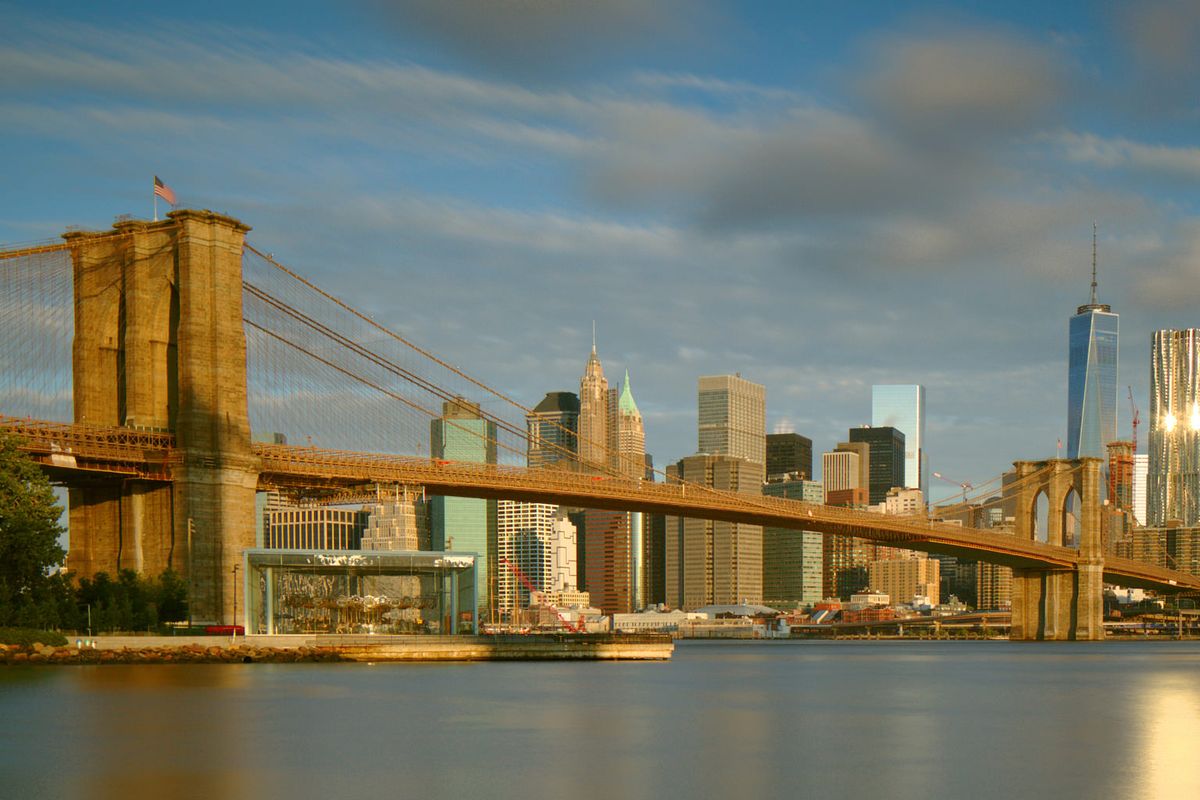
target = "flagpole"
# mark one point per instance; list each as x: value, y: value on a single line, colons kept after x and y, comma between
x: 156, y: 206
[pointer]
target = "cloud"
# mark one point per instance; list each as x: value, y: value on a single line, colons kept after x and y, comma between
x: 960, y: 87
x: 542, y: 41
x: 1124, y: 154
x: 1163, y: 34
x: 1169, y: 270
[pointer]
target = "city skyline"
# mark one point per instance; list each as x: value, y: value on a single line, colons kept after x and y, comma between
x: 835, y: 162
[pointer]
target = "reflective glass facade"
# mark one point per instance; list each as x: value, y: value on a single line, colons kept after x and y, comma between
x: 1173, y: 478
x: 1092, y: 382
x: 466, y: 524
x: 902, y: 406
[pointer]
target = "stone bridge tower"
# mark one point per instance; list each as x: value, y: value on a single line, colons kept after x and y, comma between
x: 1060, y: 604
x: 160, y: 345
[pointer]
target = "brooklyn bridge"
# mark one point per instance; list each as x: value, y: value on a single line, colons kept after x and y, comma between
x: 165, y: 372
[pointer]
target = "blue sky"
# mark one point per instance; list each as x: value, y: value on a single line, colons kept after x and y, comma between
x: 819, y: 195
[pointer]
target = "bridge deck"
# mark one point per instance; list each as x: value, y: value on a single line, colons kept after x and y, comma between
x: 121, y: 452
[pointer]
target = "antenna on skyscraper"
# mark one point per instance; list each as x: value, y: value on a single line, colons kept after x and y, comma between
x: 594, y: 334
x: 1093, y: 263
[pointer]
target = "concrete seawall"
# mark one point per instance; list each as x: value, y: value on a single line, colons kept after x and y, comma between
x: 182, y: 649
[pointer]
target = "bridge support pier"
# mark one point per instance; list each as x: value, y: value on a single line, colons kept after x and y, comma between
x: 160, y: 345
x: 1060, y: 604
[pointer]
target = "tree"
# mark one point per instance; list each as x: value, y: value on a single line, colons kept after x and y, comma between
x: 29, y: 548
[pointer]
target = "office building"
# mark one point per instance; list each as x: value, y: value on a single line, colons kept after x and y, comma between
x: 732, y: 417
x: 904, y: 502
x: 789, y: 454
x: 1173, y: 479
x: 840, y: 470
x: 538, y: 541
x: 1141, y: 470
x: 907, y: 579
x: 608, y: 560
x: 1092, y: 376
x: 708, y: 561
x: 886, y: 460
x: 792, y: 560
x: 314, y: 528
x: 626, y: 434
x: 466, y: 524
x: 655, y: 570
x: 993, y: 587
x: 553, y: 431
x: 393, y: 521
x: 902, y: 406
x: 593, y: 414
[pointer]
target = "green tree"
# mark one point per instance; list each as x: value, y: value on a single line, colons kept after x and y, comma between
x: 29, y: 548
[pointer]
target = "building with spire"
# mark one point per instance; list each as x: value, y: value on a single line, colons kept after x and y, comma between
x: 1092, y: 376
x: 593, y: 411
x: 627, y: 435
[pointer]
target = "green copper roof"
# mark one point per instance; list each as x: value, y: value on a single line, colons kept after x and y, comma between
x: 626, y: 404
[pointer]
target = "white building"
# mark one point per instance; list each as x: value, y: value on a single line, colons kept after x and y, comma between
x: 541, y: 543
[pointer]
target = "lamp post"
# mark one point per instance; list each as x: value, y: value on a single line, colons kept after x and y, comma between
x: 235, y: 572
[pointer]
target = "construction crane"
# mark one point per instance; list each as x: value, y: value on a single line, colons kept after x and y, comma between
x: 1137, y: 417
x: 516, y: 571
x: 964, y: 485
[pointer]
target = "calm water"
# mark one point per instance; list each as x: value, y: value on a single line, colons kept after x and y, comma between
x: 808, y: 719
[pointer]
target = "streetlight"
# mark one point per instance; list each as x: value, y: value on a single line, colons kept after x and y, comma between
x: 235, y: 572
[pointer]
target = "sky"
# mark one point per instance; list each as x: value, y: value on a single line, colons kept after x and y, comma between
x: 820, y: 196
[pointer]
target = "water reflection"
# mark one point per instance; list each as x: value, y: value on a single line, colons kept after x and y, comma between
x: 895, y: 720
x: 1168, y: 734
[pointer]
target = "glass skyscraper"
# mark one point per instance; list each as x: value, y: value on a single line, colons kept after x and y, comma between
x: 466, y: 524
x: 902, y: 406
x: 1092, y: 377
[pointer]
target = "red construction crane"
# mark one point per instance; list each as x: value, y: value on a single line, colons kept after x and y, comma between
x: 1137, y: 417
x: 516, y: 571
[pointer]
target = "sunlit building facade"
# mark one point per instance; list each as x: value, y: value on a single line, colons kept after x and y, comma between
x: 466, y: 524
x: 793, y: 560
x: 902, y: 406
x: 553, y: 430
x: 732, y: 416
x: 1173, y: 478
x: 1092, y: 379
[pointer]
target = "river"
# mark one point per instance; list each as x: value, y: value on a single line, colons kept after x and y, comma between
x: 740, y: 720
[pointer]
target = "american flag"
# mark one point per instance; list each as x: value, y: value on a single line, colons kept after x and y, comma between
x: 163, y: 191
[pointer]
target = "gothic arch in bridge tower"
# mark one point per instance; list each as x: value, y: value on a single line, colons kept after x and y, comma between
x: 1060, y: 604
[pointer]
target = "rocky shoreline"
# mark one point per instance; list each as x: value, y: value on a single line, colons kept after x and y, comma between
x: 183, y: 654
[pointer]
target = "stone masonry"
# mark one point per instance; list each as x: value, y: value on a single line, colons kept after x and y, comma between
x: 160, y: 345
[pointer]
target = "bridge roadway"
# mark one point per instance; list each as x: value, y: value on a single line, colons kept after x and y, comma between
x: 71, y: 453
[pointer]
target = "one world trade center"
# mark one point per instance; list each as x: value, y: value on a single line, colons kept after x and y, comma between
x: 1092, y: 376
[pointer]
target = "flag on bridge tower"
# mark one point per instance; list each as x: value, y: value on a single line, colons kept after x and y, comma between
x: 163, y: 191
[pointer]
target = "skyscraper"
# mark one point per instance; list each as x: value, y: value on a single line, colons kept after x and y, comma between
x: 553, y: 430
x: 536, y: 538
x: 887, y: 458
x: 793, y: 560
x: 1173, y: 478
x: 710, y: 561
x: 466, y: 524
x: 732, y: 418
x: 627, y: 435
x: 1092, y: 376
x: 789, y: 453
x: 902, y: 406
x: 593, y: 413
